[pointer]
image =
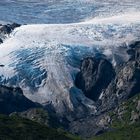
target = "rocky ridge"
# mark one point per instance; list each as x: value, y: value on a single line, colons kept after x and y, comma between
x: 6, y: 30
x: 124, y: 81
x: 13, y: 100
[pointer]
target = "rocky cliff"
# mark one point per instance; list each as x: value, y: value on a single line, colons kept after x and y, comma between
x: 13, y: 100
x: 118, y: 84
x: 5, y: 30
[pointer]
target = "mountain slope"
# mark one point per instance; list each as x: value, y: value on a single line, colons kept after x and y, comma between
x: 15, y: 128
x: 108, y: 86
x: 43, y: 59
x: 13, y: 100
x: 124, y: 121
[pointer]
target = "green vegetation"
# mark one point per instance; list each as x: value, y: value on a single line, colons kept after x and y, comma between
x: 17, y: 128
x: 130, y: 132
x: 123, y: 116
x: 123, y: 126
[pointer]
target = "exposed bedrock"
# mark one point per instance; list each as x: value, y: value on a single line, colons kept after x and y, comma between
x: 127, y: 80
x: 1, y: 41
x: 94, y: 76
x: 6, y: 30
x: 117, y: 87
x: 13, y: 100
x: 98, y: 77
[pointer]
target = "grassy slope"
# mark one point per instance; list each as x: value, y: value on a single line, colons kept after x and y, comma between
x: 16, y: 128
x: 131, y: 132
x: 123, y: 128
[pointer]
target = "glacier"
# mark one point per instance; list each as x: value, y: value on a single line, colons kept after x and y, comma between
x: 43, y: 59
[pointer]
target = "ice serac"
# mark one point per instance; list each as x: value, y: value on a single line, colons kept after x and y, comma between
x: 43, y: 59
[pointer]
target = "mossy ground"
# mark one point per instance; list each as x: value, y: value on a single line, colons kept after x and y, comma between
x: 16, y: 128
x: 131, y: 132
x: 122, y: 128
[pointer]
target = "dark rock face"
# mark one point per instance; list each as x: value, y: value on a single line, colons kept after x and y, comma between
x: 94, y: 77
x: 7, y: 29
x: 13, y: 100
x: 1, y: 41
x: 127, y: 80
x: 97, y: 77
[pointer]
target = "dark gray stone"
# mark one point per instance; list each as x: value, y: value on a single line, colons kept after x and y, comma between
x: 94, y: 77
x: 1, y: 41
x: 13, y: 100
x: 7, y: 29
x: 115, y: 88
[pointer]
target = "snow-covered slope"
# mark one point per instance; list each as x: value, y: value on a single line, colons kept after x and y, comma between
x: 43, y: 59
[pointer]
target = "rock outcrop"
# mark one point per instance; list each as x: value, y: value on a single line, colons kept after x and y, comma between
x: 94, y: 77
x: 13, y: 100
x: 127, y: 80
x: 6, y: 30
x: 114, y: 85
x: 98, y: 77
